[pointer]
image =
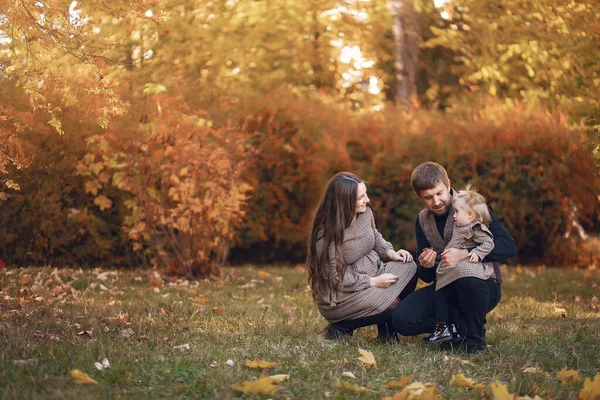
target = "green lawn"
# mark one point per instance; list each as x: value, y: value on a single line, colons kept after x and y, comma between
x: 548, y: 319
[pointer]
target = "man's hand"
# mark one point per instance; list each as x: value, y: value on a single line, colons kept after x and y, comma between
x: 427, y: 258
x: 451, y: 257
x: 383, y: 280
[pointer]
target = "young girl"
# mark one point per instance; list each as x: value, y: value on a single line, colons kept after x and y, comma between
x: 471, y: 221
x: 355, y: 275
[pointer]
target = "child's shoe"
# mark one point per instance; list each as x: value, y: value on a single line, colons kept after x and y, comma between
x: 439, y: 335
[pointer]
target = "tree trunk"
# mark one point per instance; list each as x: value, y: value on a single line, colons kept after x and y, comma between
x: 406, y: 49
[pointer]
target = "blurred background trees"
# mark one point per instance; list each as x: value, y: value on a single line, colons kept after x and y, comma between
x: 186, y: 134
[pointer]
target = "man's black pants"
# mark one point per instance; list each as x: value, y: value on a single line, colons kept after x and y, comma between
x: 475, y: 298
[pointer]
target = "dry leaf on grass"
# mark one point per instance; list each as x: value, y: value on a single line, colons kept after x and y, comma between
x: 185, y: 346
x: 103, y: 365
x: 399, y: 384
x: 261, y: 364
x: 264, y: 385
x: 349, y: 374
x: 500, y: 391
x: 348, y: 386
x: 86, y: 333
x: 81, y: 378
x: 127, y: 333
x: 591, y: 388
x: 367, y: 358
x: 262, y: 274
x: 418, y: 391
x: 568, y: 376
x: 459, y: 380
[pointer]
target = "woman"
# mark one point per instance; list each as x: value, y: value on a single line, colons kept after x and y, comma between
x: 351, y: 284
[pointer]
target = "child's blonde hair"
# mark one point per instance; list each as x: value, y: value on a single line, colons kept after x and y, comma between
x: 474, y: 202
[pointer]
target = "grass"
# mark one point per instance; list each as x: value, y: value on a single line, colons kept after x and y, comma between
x: 548, y: 319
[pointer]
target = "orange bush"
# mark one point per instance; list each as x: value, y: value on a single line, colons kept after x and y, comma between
x: 183, y: 188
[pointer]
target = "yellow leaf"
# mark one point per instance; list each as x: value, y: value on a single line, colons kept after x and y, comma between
x: 103, y: 202
x: 279, y: 378
x: 264, y: 385
x: 261, y: 364
x: 367, y: 358
x: 348, y: 386
x: 500, y: 391
x: 529, y: 398
x: 399, y: 384
x: 459, y: 380
x: 568, y: 376
x: 591, y: 388
x: 81, y: 378
x: 174, y: 180
x: 418, y: 390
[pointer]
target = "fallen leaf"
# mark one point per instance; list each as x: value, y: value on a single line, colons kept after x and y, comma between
x: 348, y: 386
x: 459, y: 380
x: 127, y: 333
x: 349, y: 374
x: 103, y: 365
x: 81, y: 378
x: 217, y: 310
x: 261, y: 364
x: 213, y: 364
x: 367, y: 358
x: 400, y: 384
x: 86, y: 333
x: 456, y: 359
x: 264, y: 385
x: 568, y: 376
x: 202, y: 300
x: 182, y: 347
x: 591, y: 388
x: 262, y: 274
x: 418, y: 390
x: 500, y: 391
x: 279, y: 378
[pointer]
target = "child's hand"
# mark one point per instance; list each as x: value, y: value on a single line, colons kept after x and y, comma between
x: 474, y: 258
x: 405, y: 256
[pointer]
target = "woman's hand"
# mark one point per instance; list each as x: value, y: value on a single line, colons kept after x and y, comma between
x: 404, y: 255
x: 383, y: 280
x: 400, y: 255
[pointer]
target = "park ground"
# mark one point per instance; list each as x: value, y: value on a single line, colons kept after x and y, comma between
x: 174, y: 338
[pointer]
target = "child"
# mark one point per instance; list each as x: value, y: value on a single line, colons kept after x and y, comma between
x: 471, y: 221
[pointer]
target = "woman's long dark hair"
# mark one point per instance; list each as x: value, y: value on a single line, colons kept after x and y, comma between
x: 335, y: 213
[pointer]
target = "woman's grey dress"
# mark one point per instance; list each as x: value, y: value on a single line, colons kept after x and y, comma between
x: 363, y: 250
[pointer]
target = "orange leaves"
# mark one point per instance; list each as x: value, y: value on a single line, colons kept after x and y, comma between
x: 568, y: 376
x: 591, y: 388
x: 350, y: 387
x: 266, y: 385
x: 399, y: 384
x: 261, y: 364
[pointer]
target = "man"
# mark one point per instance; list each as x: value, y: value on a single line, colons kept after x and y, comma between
x: 475, y: 297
